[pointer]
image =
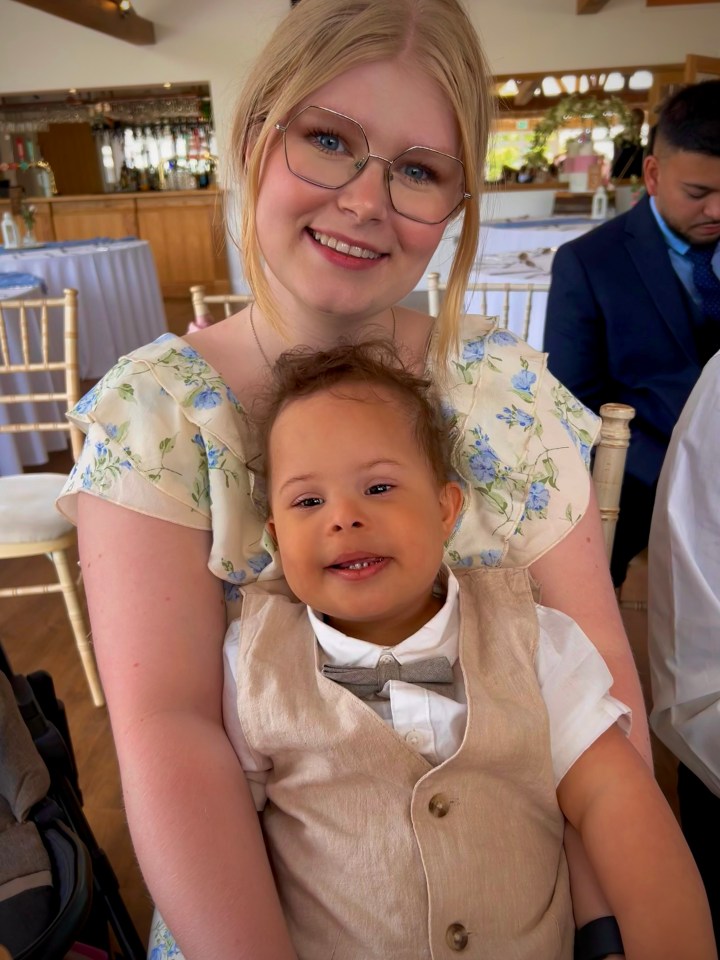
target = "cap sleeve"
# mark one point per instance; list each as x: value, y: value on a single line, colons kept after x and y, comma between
x: 522, y: 450
x: 166, y: 437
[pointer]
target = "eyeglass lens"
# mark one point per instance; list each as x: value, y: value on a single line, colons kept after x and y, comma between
x: 328, y: 150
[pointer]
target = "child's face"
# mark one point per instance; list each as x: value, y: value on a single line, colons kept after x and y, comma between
x: 357, y: 512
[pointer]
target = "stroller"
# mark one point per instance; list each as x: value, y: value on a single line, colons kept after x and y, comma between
x: 57, y: 887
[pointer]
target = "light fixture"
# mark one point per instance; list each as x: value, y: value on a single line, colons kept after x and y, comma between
x: 125, y: 6
x: 72, y: 90
x: 167, y: 85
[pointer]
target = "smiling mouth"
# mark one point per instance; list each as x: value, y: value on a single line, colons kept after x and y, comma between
x: 358, y: 564
x: 351, y: 250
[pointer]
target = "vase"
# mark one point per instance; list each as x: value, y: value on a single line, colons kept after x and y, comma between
x: 29, y: 238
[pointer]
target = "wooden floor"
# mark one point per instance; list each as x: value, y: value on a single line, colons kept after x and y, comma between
x: 36, y: 635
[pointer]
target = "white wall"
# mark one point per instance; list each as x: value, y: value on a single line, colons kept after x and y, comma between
x: 215, y: 40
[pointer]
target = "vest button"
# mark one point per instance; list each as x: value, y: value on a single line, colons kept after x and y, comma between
x: 457, y: 937
x: 439, y: 805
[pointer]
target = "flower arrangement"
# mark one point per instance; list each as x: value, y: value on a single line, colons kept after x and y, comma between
x: 597, y: 112
x: 28, y: 211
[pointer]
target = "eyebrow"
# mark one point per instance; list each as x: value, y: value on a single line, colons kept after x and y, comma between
x: 305, y: 477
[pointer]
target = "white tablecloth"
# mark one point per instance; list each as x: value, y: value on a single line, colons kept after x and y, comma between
x: 119, y: 302
x: 27, y: 449
x: 523, y: 234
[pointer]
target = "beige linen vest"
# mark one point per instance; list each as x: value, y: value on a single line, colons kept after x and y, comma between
x: 378, y: 855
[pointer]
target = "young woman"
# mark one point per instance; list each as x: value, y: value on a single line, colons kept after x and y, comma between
x: 362, y: 130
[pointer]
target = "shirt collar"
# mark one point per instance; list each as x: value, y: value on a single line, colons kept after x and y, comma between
x: 437, y: 638
x: 675, y: 242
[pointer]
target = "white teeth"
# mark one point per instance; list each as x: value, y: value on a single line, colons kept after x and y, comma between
x: 361, y: 253
x: 361, y: 564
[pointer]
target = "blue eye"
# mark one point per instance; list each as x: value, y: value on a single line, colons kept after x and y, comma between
x: 327, y: 142
x: 377, y: 489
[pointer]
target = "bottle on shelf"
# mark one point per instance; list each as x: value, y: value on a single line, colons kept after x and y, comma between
x: 599, y: 204
x: 10, y: 232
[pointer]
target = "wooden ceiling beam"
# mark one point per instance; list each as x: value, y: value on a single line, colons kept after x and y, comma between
x: 526, y: 91
x: 590, y: 6
x: 101, y: 15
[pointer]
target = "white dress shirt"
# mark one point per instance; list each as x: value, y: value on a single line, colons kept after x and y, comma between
x: 684, y: 586
x: 574, y: 683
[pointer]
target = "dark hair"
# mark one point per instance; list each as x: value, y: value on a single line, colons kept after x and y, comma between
x: 690, y: 120
x: 302, y: 372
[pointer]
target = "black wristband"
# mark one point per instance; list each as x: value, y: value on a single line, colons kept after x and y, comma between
x: 597, y: 939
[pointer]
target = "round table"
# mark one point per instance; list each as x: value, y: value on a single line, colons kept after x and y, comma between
x: 120, y: 306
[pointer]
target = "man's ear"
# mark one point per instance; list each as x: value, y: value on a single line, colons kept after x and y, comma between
x: 651, y: 174
x: 451, y: 501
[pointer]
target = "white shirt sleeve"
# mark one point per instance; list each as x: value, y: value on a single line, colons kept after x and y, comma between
x: 684, y: 586
x: 574, y: 683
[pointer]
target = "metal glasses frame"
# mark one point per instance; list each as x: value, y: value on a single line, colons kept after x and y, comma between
x: 361, y: 164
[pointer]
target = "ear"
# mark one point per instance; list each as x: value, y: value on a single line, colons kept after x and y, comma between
x: 451, y: 501
x: 651, y: 174
x: 270, y: 527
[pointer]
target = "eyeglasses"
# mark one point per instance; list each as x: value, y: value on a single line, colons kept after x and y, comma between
x: 329, y: 150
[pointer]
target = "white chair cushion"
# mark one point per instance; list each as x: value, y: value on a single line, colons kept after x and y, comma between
x: 27, y: 508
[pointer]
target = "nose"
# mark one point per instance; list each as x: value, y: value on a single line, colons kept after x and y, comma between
x: 347, y: 514
x: 367, y: 196
x: 712, y: 206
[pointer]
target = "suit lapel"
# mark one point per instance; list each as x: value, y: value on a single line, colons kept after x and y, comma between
x: 647, y: 248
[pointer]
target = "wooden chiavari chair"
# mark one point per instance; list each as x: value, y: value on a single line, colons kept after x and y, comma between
x: 231, y: 303
x: 29, y: 523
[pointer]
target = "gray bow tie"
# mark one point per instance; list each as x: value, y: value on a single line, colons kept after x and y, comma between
x: 435, y: 673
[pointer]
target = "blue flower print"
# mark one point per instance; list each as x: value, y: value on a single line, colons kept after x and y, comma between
x: 86, y: 479
x: 580, y: 443
x: 258, y: 563
x: 491, y: 558
x: 189, y: 353
x: 502, y: 337
x: 538, y: 497
x: 207, y: 399
x: 197, y: 439
x: 474, y: 350
x: 111, y: 430
x: 99, y: 449
x: 88, y: 401
x: 522, y: 382
x: 231, y: 397
x: 165, y: 336
x: 513, y: 415
x: 231, y: 592
x: 213, y: 457
x: 483, y: 467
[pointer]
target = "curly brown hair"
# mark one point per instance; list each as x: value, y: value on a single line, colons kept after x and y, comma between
x: 303, y: 371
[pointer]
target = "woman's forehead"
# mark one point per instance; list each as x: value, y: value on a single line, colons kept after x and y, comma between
x: 391, y: 99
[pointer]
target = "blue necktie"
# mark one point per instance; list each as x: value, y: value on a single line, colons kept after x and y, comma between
x: 706, y: 282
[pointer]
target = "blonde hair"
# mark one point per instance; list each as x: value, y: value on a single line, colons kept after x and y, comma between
x: 321, y: 39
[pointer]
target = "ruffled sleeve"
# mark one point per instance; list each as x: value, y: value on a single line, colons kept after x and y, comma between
x: 522, y: 450
x: 167, y: 438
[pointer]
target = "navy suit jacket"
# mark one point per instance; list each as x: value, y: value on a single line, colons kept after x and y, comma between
x: 619, y: 328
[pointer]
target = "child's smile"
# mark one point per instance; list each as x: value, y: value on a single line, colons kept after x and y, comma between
x: 357, y: 511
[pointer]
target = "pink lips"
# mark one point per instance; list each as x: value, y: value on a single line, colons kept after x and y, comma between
x: 344, y: 259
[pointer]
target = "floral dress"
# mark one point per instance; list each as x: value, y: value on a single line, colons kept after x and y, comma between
x: 166, y: 437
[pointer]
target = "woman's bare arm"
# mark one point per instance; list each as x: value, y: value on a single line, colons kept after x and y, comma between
x: 575, y: 577
x: 158, y: 619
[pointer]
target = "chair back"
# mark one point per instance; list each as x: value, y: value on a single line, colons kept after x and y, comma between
x: 609, y: 465
x: 435, y: 288
x: 200, y: 302
x: 40, y: 336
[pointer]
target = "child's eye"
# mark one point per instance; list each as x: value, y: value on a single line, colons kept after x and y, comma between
x: 307, y: 502
x: 379, y: 488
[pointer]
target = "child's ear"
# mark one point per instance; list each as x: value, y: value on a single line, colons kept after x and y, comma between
x: 270, y: 527
x: 451, y: 501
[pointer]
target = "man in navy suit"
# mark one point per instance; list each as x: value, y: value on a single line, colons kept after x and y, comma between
x: 634, y: 306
